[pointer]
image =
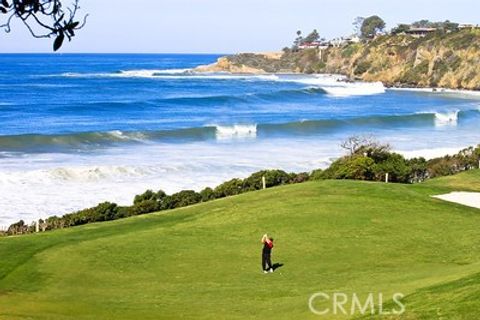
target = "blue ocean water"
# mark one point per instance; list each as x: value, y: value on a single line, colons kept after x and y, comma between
x: 106, y: 127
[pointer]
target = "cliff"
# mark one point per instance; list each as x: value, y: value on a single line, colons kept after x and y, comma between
x: 449, y: 60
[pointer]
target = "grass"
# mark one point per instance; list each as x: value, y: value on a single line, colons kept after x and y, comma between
x: 203, y: 262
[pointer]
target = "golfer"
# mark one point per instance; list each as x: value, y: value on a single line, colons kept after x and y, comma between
x: 266, y: 253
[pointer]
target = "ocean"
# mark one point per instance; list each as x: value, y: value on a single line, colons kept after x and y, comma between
x: 79, y: 129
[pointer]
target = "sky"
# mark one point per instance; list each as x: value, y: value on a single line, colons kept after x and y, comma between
x: 226, y: 26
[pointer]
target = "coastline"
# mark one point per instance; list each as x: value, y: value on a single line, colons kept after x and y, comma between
x: 244, y: 70
x: 447, y: 61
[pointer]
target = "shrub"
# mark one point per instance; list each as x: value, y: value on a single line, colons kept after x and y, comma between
x: 207, y: 194
x: 105, y: 211
x: 299, y: 177
x: 361, y: 68
x: 184, y: 198
x: 415, y: 74
x: 149, y: 195
x: 272, y: 178
x: 357, y: 167
x: 229, y: 188
x: 146, y: 206
x: 317, y: 174
x: 418, y: 170
x: 395, y: 165
x: 350, y: 50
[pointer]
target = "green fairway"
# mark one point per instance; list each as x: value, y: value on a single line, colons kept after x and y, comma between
x: 203, y: 262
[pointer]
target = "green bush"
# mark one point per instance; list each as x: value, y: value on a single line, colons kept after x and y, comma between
x: 361, y: 68
x: 355, y: 167
x: 272, y: 178
x: 143, y: 207
x: 396, y: 166
x: 184, y: 198
x: 207, y: 194
x: 229, y: 188
x: 350, y: 50
x: 149, y: 195
x: 299, y: 177
x: 317, y: 174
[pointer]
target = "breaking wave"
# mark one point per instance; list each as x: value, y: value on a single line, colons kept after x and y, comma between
x: 334, y: 85
x: 170, y: 74
x: 236, y: 131
x: 84, y: 141
x: 446, y: 119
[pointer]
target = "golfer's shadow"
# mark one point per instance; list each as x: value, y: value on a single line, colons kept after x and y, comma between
x: 275, y: 266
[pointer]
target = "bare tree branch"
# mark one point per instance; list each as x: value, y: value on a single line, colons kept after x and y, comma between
x: 46, y: 15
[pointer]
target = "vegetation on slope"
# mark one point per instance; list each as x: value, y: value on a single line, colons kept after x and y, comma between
x: 203, y: 261
x: 447, y: 60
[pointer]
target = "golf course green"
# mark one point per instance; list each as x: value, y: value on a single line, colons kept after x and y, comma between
x: 203, y: 261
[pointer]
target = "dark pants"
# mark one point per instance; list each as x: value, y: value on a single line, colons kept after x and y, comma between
x: 266, y: 261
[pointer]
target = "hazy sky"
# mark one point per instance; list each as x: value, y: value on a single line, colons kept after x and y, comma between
x: 227, y: 26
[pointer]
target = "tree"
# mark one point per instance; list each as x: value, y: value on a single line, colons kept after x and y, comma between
x: 401, y: 28
x: 354, y: 143
x: 313, y: 36
x: 185, y: 198
x: 43, y: 18
x: 357, y: 25
x: 229, y: 188
x: 272, y: 178
x: 371, y: 26
x: 424, y: 23
x: 207, y: 194
x: 446, y: 25
x: 449, y: 26
x: 298, y: 40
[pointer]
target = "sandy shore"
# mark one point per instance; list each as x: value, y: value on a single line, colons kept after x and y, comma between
x: 470, y: 199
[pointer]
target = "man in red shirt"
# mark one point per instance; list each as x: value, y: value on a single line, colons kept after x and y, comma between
x: 266, y: 253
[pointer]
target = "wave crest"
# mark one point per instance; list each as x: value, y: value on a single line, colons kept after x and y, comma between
x: 236, y: 131
x: 85, y: 141
x: 447, y: 118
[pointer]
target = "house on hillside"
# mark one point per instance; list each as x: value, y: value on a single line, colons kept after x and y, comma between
x: 468, y: 26
x: 339, y: 42
x: 353, y: 39
x: 314, y: 45
x: 420, y: 32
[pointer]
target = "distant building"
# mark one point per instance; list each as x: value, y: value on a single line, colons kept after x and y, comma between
x: 354, y: 39
x: 314, y: 45
x: 339, y: 42
x: 420, y: 32
x: 468, y: 26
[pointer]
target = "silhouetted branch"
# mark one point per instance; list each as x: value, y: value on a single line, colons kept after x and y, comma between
x: 47, y: 15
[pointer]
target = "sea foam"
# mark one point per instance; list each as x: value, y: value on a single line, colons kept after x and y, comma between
x: 335, y: 85
x: 447, y: 118
x: 236, y: 131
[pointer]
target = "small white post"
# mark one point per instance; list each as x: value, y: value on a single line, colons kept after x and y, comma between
x: 37, y: 226
x: 386, y: 177
x: 264, y: 183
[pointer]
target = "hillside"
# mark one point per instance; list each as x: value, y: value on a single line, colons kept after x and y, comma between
x: 202, y: 262
x: 450, y: 60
